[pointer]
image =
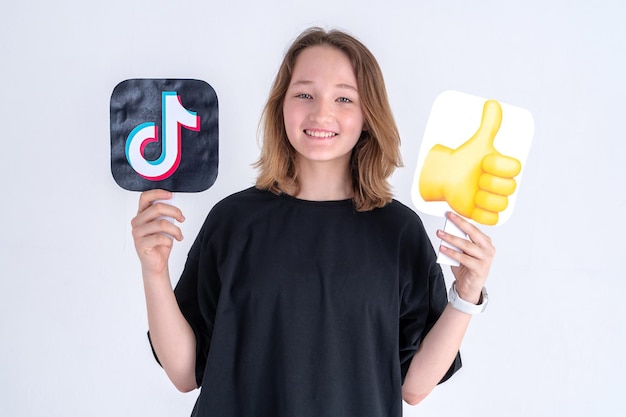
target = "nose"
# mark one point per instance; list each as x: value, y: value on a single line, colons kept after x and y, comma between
x: 322, y: 112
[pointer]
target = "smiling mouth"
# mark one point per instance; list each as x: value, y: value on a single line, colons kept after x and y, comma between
x: 319, y: 134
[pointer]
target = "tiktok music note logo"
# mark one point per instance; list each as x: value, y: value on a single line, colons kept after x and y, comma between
x: 164, y: 134
x: 174, y: 116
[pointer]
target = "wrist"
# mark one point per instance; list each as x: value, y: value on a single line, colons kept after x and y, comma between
x: 467, y: 306
x: 156, y: 277
x: 470, y: 295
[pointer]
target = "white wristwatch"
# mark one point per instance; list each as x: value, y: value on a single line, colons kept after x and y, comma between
x: 465, y: 306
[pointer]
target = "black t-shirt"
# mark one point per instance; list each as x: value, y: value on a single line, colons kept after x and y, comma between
x: 308, y: 309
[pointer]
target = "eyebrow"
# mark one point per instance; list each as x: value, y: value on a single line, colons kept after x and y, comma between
x: 340, y: 85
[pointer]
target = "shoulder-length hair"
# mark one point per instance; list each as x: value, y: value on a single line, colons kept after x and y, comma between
x: 377, y: 152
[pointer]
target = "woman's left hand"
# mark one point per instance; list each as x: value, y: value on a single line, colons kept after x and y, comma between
x: 475, y: 257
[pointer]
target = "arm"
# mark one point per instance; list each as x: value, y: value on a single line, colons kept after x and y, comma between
x: 441, y: 344
x: 172, y: 338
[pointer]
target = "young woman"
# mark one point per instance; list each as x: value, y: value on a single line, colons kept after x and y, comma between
x: 313, y: 293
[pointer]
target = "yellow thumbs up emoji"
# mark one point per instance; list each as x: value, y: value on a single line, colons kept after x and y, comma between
x: 474, y: 179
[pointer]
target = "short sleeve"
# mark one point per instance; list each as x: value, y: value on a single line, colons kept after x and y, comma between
x: 187, y: 296
x: 423, y: 295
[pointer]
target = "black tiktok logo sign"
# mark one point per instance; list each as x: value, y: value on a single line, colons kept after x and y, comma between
x: 164, y: 134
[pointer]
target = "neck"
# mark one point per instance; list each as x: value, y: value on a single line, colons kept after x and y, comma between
x: 322, y: 181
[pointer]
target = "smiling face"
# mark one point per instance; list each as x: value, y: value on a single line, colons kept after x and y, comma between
x: 322, y: 110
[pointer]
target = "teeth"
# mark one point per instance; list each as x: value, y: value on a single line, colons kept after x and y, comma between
x: 318, y: 134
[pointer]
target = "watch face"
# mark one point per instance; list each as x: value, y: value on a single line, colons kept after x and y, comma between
x: 164, y: 134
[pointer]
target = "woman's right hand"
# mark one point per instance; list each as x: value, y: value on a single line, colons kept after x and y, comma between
x: 172, y: 337
x: 153, y: 235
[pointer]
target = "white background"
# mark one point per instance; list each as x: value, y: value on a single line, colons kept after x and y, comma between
x: 72, y: 315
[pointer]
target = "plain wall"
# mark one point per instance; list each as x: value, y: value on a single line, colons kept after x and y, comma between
x: 72, y: 313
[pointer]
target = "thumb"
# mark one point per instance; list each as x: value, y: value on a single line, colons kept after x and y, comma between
x: 489, y: 124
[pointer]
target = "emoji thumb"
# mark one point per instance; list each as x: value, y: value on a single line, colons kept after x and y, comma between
x: 489, y: 124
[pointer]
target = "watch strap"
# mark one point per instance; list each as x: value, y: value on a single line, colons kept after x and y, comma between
x: 465, y: 306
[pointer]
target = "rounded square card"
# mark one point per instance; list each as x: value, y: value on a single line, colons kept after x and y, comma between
x: 472, y: 157
x: 164, y: 134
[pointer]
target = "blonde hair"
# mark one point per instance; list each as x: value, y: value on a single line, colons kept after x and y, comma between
x: 377, y: 152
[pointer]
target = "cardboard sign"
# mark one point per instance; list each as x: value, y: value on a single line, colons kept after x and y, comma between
x: 471, y: 161
x: 164, y: 134
x: 472, y: 157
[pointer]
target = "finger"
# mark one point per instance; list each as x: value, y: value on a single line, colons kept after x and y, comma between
x: 497, y: 185
x: 161, y: 209
x: 155, y: 240
x: 463, y: 245
x: 486, y: 217
x: 501, y: 165
x: 474, y: 233
x: 154, y: 244
x: 489, y: 123
x: 156, y: 212
x: 147, y: 198
x: 490, y: 202
x: 465, y: 226
x: 156, y: 227
x: 454, y: 254
x: 467, y: 260
x: 165, y: 226
x: 476, y: 259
